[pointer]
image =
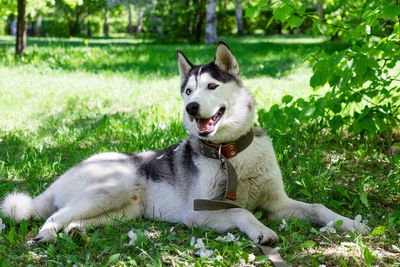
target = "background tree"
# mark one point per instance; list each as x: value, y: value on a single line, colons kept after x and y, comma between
x: 106, y: 26
x: 211, y: 35
x: 21, y: 29
x: 239, y: 18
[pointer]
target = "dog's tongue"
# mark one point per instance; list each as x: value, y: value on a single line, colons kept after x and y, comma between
x: 205, y: 125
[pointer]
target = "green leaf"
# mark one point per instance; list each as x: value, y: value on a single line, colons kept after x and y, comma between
x: 262, y: 258
x: 294, y: 21
x: 367, y: 256
x: 335, y: 107
x: 113, y: 259
x: 307, y: 244
x: 269, y: 22
x: 361, y: 64
x: 251, y: 12
x: 318, y: 79
x: 23, y: 226
x: 342, y: 262
x: 391, y: 12
x: 323, y: 28
x: 363, y: 198
x: 287, y: 98
x: 338, y: 223
x: 380, y: 230
x: 282, y: 12
x: 300, y: 10
x: 11, y: 235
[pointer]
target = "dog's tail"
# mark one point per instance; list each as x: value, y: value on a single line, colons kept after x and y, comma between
x: 19, y: 206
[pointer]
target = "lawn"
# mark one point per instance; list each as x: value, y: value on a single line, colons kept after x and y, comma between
x: 67, y: 99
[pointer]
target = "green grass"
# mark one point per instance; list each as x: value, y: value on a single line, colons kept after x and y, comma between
x: 64, y: 101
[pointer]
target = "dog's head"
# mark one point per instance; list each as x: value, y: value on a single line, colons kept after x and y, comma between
x: 218, y: 108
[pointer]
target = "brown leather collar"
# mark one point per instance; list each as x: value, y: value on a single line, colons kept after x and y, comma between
x: 228, y: 150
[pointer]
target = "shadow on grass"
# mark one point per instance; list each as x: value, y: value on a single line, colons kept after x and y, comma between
x: 31, y: 161
x: 257, y: 57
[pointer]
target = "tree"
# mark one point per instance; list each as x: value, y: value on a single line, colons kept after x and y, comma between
x: 239, y: 19
x: 106, y: 27
x: 211, y: 36
x: 364, y: 91
x: 130, y: 25
x: 21, y: 30
x: 139, y: 27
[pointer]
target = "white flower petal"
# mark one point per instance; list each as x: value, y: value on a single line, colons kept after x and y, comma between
x: 132, y: 236
x: 199, y: 244
x: 251, y: 257
x: 192, y: 240
x: 358, y: 218
x: 204, y: 253
x: 228, y: 238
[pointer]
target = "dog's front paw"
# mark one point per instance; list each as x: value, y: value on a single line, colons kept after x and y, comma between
x: 360, y: 228
x: 263, y: 235
x: 46, y: 234
x: 355, y: 226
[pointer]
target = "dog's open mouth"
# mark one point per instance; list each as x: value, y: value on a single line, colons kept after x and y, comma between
x: 207, y: 126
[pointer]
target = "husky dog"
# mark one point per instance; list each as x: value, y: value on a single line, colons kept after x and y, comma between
x: 166, y: 184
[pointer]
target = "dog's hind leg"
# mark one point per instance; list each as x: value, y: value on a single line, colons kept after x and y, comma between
x: 314, y: 213
x: 125, y: 213
x: 89, y: 208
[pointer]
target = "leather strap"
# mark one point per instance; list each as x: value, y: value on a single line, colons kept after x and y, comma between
x: 223, y: 152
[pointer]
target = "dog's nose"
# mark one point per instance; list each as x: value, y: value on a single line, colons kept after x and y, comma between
x: 192, y: 108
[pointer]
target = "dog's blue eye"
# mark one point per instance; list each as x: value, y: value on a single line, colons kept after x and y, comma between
x: 188, y: 91
x: 212, y: 86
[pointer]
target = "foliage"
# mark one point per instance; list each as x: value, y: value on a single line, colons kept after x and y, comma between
x: 364, y: 75
x: 75, y: 13
x: 176, y: 19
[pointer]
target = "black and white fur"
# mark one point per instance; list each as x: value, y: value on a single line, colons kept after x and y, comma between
x: 163, y: 184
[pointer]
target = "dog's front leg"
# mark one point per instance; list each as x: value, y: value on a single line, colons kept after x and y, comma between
x: 315, y: 213
x: 233, y: 219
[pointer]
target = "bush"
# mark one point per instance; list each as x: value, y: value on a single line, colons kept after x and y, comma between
x: 52, y: 27
x: 363, y: 78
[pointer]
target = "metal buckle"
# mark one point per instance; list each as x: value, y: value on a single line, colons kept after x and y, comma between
x: 221, y: 158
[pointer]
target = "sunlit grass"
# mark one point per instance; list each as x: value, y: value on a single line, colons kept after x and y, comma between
x: 64, y: 101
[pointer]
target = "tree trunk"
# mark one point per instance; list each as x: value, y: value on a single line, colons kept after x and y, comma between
x: 211, y: 36
x: 21, y: 31
x: 38, y: 23
x: 106, y: 27
x: 320, y: 10
x: 239, y: 19
x: 85, y: 22
x: 139, y: 28
x: 130, y: 26
x: 200, y: 19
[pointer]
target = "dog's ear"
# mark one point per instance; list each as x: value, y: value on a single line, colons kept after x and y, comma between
x: 184, y: 66
x: 225, y: 60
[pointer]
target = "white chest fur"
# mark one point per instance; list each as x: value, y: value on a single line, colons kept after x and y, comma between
x: 259, y: 176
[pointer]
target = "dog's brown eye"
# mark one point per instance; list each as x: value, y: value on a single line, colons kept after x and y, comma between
x: 188, y: 91
x: 212, y: 86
